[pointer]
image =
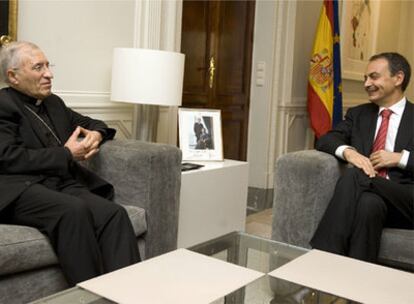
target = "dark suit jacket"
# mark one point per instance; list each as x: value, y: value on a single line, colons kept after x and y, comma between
x: 25, y: 157
x: 358, y: 130
x: 197, y: 129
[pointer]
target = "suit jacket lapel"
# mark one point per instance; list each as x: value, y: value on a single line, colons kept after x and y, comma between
x: 405, y: 130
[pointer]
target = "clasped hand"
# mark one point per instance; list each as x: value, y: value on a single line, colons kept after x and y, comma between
x: 377, y: 160
x: 83, y: 143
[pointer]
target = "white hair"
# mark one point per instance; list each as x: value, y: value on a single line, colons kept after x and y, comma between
x: 10, y: 57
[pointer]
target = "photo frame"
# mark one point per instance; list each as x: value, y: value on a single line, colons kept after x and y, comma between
x: 8, y: 21
x: 359, y: 30
x: 200, y: 134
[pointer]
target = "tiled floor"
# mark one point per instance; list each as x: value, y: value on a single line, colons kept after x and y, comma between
x: 260, y: 223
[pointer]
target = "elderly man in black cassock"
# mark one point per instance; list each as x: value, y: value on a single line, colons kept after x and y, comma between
x: 42, y: 184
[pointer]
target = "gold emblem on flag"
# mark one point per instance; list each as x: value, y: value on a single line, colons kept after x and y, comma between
x: 321, y: 70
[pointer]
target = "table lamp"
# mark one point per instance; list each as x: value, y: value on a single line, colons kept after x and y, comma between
x: 147, y: 77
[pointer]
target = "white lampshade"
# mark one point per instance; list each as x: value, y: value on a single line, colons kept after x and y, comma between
x: 147, y: 76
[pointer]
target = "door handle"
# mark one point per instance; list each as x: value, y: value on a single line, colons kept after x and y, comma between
x: 211, y: 70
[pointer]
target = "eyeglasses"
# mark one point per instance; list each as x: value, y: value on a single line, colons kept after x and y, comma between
x: 40, y: 67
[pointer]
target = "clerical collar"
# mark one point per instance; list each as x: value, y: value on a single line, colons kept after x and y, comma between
x: 27, y: 98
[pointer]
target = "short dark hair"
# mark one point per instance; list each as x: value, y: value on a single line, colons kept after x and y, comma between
x: 396, y: 63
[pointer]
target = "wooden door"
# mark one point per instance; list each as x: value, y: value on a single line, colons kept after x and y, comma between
x: 217, y: 40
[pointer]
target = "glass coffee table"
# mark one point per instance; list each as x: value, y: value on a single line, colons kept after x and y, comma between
x: 239, y: 248
x: 263, y: 255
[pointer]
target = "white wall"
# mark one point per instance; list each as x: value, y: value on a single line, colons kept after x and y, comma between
x: 78, y: 37
x: 406, y: 42
x: 284, y: 32
x: 393, y: 35
x: 261, y: 94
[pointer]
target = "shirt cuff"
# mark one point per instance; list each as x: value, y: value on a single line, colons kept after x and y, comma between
x: 404, y: 159
x: 339, y: 152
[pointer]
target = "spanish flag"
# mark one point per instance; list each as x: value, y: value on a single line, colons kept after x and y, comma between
x: 324, y: 87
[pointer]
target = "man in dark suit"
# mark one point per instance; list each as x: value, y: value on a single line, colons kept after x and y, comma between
x: 377, y: 139
x: 198, y: 126
x: 41, y: 183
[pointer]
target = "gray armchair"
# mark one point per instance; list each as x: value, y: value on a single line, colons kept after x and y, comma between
x: 147, y: 181
x: 304, y: 182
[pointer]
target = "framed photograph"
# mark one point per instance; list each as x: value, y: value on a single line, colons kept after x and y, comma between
x: 8, y: 21
x: 359, y: 30
x: 200, y: 134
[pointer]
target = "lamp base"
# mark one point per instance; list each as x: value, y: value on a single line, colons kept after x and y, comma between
x: 145, y: 123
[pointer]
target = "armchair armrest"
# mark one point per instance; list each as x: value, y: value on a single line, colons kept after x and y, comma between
x: 147, y: 175
x: 303, y: 186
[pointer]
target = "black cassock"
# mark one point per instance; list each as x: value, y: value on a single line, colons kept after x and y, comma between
x: 43, y: 187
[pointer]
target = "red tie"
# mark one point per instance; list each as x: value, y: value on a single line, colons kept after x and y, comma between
x: 379, y: 142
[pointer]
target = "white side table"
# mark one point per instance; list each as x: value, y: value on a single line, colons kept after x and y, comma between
x: 213, y: 201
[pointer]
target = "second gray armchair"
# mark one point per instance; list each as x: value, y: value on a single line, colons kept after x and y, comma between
x: 304, y: 182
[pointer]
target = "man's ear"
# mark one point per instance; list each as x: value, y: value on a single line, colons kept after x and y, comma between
x: 12, y: 76
x: 399, y: 76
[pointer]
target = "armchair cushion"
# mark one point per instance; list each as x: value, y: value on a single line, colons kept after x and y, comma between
x: 397, y: 248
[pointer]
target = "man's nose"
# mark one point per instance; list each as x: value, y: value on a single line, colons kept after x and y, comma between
x: 48, y: 73
x: 367, y: 82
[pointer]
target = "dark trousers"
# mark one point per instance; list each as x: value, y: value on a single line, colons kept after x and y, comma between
x: 360, y: 208
x: 90, y: 235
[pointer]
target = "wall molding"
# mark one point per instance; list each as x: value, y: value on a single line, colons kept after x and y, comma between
x: 283, y: 44
x: 123, y: 129
x: 289, y: 117
x: 295, y: 132
x: 293, y: 129
x: 97, y: 105
x: 89, y: 99
x: 302, y: 103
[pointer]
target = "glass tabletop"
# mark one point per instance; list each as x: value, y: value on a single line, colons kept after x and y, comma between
x: 263, y: 255
x: 245, y: 250
x: 75, y: 295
